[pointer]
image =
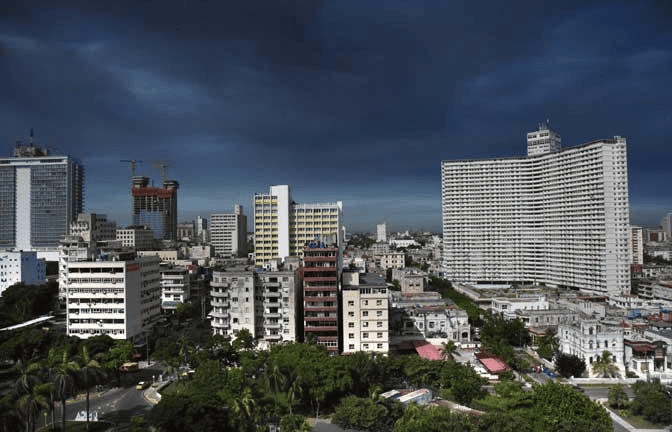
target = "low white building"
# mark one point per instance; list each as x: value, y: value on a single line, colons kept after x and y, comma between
x: 16, y: 267
x: 402, y: 243
x: 588, y: 339
x: 423, y: 322
x: 119, y: 296
x: 508, y: 306
x: 392, y: 260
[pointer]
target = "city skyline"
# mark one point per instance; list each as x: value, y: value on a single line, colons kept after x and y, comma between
x: 354, y: 103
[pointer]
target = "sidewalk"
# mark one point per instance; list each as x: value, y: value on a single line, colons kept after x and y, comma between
x: 152, y: 394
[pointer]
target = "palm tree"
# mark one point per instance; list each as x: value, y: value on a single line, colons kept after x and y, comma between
x: 604, y: 366
x: 30, y: 390
x: 32, y: 402
x: 276, y: 381
x: 89, y: 368
x: 186, y: 349
x: 63, y: 379
x: 244, y: 405
x: 294, y: 390
x: 447, y: 350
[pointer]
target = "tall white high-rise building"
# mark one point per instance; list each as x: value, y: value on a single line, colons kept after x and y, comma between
x: 282, y: 227
x: 228, y: 233
x: 557, y: 216
x: 381, y: 236
x: 40, y: 194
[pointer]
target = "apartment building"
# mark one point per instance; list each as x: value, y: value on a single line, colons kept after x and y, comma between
x: 282, y: 303
x: 117, y: 295
x: 40, y: 194
x: 228, y: 233
x: 267, y: 303
x: 365, y: 314
x: 233, y: 295
x: 558, y: 216
x: 282, y: 227
x: 175, y: 286
x: 17, y: 267
x: 322, y: 266
x: 420, y: 322
x: 138, y: 237
x: 392, y: 260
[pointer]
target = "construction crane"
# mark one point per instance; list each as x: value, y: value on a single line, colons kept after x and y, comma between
x: 162, y: 165
x: 132, y: 162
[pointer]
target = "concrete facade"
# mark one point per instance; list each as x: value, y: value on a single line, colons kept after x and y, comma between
x: 119, y: 297
x: 16, y: 267
x: 365, y: 315
x: 557, y: 217
x: 228, y: 233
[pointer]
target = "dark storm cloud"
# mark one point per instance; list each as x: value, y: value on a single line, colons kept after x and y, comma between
x: 345, y: 100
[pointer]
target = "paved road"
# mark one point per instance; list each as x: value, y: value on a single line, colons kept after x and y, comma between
x: 117, y: 405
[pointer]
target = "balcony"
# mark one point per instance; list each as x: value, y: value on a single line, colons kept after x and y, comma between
x: 320, y: 279
x: 223, y: 304
x: 272, y: 314
x: 273, y: 325
x: 319, y: 258
x: 273, y: 336
x: 270, y: 304
x: 219, y: 314
x: 319, y: 329
x: 269, y: 294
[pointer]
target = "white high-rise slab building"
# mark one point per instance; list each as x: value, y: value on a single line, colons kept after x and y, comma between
x: 40, y: 194
x: 558, y: 216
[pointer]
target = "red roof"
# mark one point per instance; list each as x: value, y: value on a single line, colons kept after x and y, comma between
x: 494, y: 365
x: 427, y: 350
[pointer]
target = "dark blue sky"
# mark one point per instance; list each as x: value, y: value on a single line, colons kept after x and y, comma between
x: 357, y: 101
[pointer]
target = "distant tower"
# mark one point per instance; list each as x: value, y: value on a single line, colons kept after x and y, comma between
x: 543, y: 141
x: 39, y: 196
x: 382, y: 233
x: 155, y: 207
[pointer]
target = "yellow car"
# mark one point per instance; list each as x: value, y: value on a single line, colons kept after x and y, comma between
x: 141, y: 385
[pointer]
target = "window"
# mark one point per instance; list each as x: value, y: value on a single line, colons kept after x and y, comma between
x: 351, y: 335
x: 365, y: 313
x: 365, y: 324
x: 351, y: 346
x: 379, y: 324
x: 379, y: 335
x: 366, y: 302
x: 351, y: 314
x: 351, y: 302
x: 366, y: 346
x: 365, y: 335
x: 379, y: 346
x: 379, y: 302
x: 379, y: 313
x: 351, y: 325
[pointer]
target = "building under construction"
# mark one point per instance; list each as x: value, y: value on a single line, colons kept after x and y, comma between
x: 155, y: 207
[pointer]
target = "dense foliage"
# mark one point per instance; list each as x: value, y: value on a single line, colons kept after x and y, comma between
x: 462, y: 301
x: 499, y: 336
x: 652, y: 401
x: 22, y: 302
x: 569, y: 365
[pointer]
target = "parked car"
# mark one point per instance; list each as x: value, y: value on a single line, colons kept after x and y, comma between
x: 141, y: 385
